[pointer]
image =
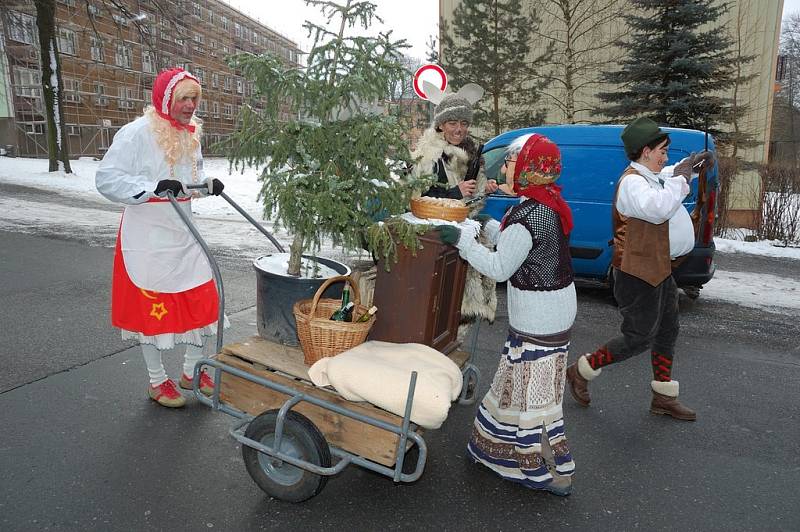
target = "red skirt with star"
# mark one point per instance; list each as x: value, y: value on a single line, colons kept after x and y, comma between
x: 153, y: 313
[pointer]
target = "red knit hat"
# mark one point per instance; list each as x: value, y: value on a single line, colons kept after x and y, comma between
x: 163, y: 88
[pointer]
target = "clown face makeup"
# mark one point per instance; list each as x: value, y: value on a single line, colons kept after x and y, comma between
x: 182, y: 110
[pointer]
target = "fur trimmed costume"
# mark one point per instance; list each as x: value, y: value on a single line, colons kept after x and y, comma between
x: 435, y: 155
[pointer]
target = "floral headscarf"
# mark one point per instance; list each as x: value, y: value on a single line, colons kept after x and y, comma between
x: 538, y: 166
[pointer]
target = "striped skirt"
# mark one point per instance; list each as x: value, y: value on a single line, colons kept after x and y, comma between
x: 523, y: 406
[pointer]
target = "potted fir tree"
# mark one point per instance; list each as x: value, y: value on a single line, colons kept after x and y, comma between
x: 330, y: 157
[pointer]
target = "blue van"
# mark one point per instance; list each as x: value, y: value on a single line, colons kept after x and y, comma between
x: 593, y: 159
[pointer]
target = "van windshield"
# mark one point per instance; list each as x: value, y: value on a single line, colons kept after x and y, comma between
x: 493, y: 160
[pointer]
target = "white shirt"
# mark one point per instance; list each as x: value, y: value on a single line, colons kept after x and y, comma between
x: 135, y: 163
x: 657, y: 198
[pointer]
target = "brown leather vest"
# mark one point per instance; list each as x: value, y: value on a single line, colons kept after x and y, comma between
x: 641, y: 249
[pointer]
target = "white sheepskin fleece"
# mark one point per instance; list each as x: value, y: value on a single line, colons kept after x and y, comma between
x: 380, y: 372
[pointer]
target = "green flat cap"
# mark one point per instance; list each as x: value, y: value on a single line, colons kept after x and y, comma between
x: 639, y: 133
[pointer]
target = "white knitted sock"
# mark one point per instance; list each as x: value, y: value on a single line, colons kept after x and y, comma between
x: 155, y: 367
x: 193, y: 354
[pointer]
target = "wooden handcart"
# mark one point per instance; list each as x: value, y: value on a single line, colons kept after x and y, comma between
x: 295, y: 435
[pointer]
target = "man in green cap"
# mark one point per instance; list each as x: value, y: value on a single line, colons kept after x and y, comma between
x: 651, y: 228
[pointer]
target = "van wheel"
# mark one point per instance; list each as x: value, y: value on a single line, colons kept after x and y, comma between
x: 692, y: 292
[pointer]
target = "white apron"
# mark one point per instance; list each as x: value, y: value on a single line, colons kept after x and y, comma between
x: 159, y: 251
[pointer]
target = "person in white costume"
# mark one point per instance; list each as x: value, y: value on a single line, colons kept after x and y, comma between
x: 163, y: 292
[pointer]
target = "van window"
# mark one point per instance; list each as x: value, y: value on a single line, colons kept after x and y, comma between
x: 492, y: 161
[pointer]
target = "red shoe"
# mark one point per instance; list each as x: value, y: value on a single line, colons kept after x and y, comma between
x: 206, y: 384
x: 166, y: 394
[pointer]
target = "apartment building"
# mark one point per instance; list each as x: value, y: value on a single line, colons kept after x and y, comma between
x: 753, y: 24
x: 109, y: 63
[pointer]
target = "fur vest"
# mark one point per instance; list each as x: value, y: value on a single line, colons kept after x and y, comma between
x: 432, y: 146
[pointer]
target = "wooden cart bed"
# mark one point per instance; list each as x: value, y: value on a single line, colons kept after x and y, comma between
x: 284, y: 365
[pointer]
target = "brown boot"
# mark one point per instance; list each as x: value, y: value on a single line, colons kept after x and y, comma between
x: 578, y: 376
x: 665, y: 401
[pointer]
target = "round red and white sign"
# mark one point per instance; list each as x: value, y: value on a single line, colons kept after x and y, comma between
x: 431, y: 73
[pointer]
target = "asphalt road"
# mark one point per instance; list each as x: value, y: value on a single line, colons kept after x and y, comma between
x: 82, y: 448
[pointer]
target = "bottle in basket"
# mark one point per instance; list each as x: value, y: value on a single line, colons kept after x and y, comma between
x: 345, y: 295
x: 367, y: 315
x: 344, y: 314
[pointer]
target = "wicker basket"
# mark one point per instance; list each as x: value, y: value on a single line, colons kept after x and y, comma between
x: 427, y: 209
x: 319, y: 335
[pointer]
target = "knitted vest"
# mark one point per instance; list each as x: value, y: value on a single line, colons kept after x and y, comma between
x: 548, y: 265
x: 641, y: 248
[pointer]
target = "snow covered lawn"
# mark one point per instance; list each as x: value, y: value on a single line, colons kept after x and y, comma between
x: 224, y: 227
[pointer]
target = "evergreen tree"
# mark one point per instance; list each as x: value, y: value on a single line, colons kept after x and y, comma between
x: 332, y: 168
x: 488, y: 44
x: 679, y: 66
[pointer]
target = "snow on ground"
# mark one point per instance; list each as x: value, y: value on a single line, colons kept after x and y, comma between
x: 223, y: 227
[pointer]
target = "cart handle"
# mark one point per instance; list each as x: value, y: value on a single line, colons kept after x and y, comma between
x: 244, y: 213
x: 211, y: 261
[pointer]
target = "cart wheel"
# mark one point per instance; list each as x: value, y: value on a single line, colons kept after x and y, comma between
x: 301, y: 439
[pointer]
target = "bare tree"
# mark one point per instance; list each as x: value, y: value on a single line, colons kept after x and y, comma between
x: 50, y: 59
x: 583, y: 36
x: 52, y: 82
x: 789, y: 94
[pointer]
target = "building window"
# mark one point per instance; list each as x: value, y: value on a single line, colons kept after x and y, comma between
x: 214, y: 80
x: 29, y: 82
x: 73, y: 131
x: 224, y: 22
x: 67, y: 42
x: 123, y: 56
x: 184, y: 66
x: 94, y: 11
x: 147, y: 96
x: 120, y: 20
x: 198, y: 38
x: 197, y: 10
x: 127, y: 95
x: 200, y: 74
x: 148, y: 62
x: 72, y: 90
x: 237, y: 29
x: 164, y: 62
x: 201, y: 108
x: 215, y: 109
x: 96, y: 49
x: 22, y: 27
x: 227, y: 82
x: 239, y: 86
x: 210, y: 17
x: 254, y: 40
x: 227, y: 110
x: 34, y: 128
x: 100, y: 98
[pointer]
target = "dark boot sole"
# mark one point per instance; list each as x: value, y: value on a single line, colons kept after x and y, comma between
x: 578, y: 400
x: 661, y: 411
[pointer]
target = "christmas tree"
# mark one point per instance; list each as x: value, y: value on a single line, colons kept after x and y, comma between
x: 488, y: 43
x: 679, y: 65
x: 331, y: 158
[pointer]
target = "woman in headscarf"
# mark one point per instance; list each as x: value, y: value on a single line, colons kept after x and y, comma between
x: 519, y: 428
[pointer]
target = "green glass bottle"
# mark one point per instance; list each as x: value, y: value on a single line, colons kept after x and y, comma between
x: 345, y: 295
x: 367, y: 315
x: 343, y: 314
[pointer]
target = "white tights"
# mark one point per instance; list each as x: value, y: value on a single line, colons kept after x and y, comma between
x: 155, y: 366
